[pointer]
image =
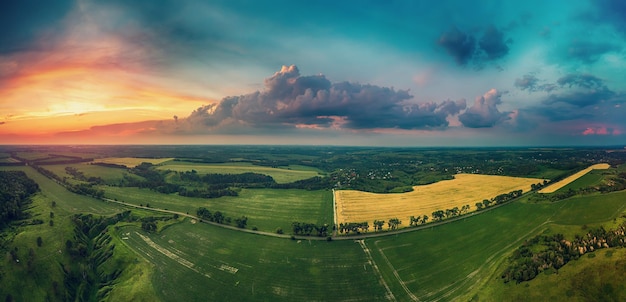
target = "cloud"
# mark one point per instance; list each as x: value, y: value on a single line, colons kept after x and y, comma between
x: 589, y: 52
x: 294, y: 101
x: 527, y: 82
x: 484, y: 113
x: 465, y: 49
x: 581, y: 98
x: 459, y: 45
x: 493, y: 43
x: 580, y: 80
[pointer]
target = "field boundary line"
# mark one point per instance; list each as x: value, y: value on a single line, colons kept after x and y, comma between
x: 366, y: 250
x: 395, y: 273
x: 334, y: 215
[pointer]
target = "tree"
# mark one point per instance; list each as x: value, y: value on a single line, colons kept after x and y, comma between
x: 479, y: 206
x: 39, y: 241
x: 218, y: 217
x: 51, y: 214
x: 54, y: 204
x: 149, y: 226
x: 378, y: 225
x: 424, y: 219
x: 438, y: 215
x: 241, y: 222
x: 279, y: 230
x: 394, y: 223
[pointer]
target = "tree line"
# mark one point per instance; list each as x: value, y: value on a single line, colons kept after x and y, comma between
x: 527, y: 262
x: 15, y: 191
x: 219, y: 217
x: 82, y: 188
x: 308, y: 229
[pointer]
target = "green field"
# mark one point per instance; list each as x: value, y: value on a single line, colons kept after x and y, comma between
x: 280, y: 174
x: 593, y: 178
x: 66, y: 200
x: 200, y: 262
x: 110, y: 175
x: 267, y: 209
x: 455, y: 259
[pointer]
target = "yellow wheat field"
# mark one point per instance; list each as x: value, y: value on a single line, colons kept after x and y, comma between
x: 554, y: 187
x: 464, y: 189
x: 131, y: 162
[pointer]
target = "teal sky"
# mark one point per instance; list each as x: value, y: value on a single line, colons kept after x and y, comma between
x: 417, y: 73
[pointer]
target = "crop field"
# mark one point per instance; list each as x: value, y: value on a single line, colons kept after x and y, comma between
x: 131, y: 162
x: 554, y: 187
x: 280, y: 174
x: 201, y: 262
x: 267, y: 209
x: 453, y: 261
x: 465, y: 189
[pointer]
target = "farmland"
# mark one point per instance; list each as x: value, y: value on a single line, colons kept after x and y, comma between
x: 164, y: 257
x: 464, y: 189
x: 194, y: 260
x: 280, y: 174
x: 267, y: 209
x: 131, y: 162
x: 554, y: 187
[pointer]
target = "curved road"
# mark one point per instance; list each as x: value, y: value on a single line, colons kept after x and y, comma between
x: 334, y: 236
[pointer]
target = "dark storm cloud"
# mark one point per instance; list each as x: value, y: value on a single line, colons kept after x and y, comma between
x: 589, y: 52
x: 484, y: 113
x: 581, y: 80
x: 459, y: 45
x: 313, y: 101
x: 493, y: 43
x: 465, y: 49
x: 23, y: 21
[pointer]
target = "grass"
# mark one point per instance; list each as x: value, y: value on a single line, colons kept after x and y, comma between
x: 267, y: 209
x: 455, y: 260
x: 560, y: 184
x: 596, y: 273
x: 280, y: 174
x: 131, y: 162
x: 65, y: 200
x: 110, y: 175
x: 591, y: 179
x: 37, y: 284
x: 465, y: 189
x: 197, y: 261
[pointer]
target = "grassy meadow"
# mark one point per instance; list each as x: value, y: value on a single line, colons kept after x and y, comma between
x: 267, y: 209
x: 54, y: 203
x: 280, y: 174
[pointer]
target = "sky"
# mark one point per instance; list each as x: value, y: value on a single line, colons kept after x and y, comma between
x: 375, y: 73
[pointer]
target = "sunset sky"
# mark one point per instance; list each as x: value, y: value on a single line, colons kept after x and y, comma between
x: 384, y: 73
